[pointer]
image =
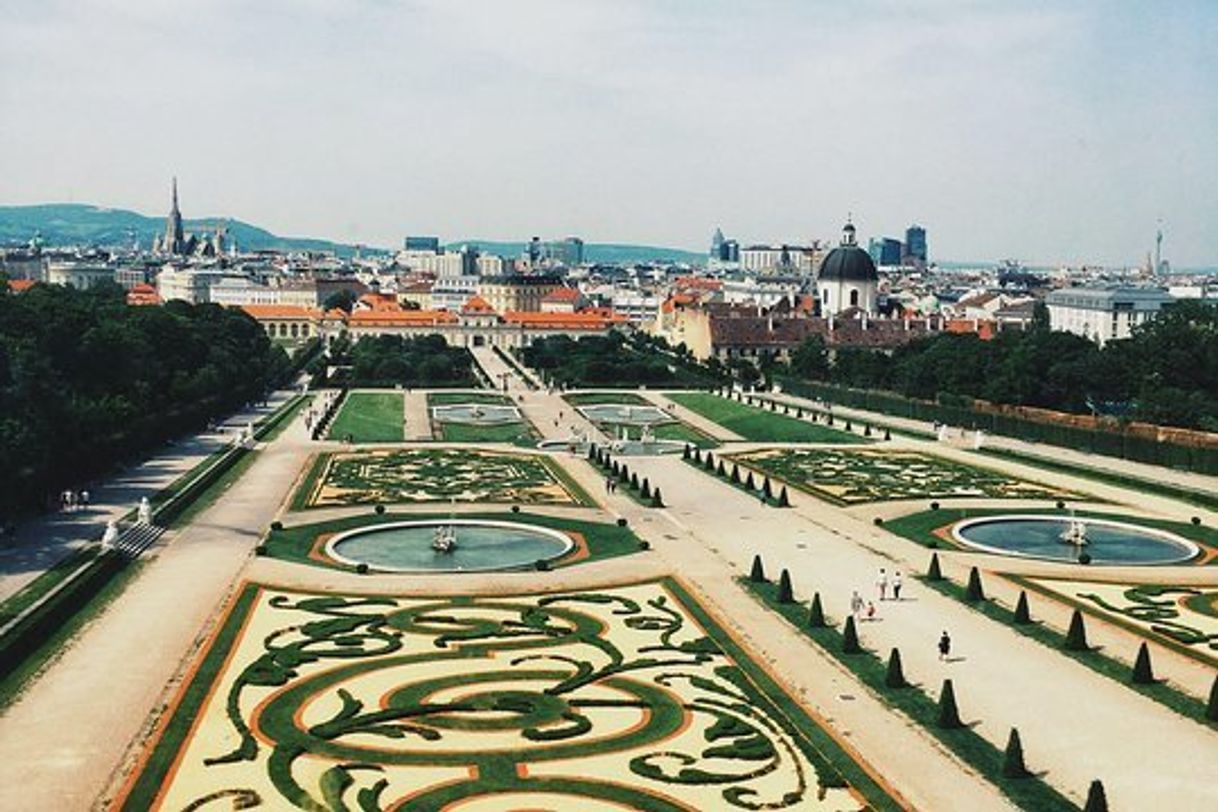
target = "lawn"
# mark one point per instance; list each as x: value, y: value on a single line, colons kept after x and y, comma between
x: 520, y: 434
x: 759, y: 425
x: 599, y: 398
x: 370, y: 417
x: 454, y: 398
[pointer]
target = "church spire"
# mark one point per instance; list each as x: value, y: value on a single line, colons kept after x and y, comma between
x: 175, y: 237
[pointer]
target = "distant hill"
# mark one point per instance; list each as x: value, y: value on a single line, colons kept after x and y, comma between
x: 82, y: 224
x: 595, y: 251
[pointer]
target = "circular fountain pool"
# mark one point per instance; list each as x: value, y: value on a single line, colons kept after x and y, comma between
x: 481, y: 546
x: 1107, y: 541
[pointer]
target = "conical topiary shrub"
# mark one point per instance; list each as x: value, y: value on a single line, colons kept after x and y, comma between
x: 657, y: 501
x: 757, y: 574
x: 867, y: 431
x: 785, y: 593
x: 687, y: 453
x: 887, y: 434
x: 1142, y: 674
x: 1012, y: 759
x: 783, y: 499
x: 592, y: 452
x: 1022, y: 615
x: 850, y: 638
x: 697, y: 455
x: 767, y: 489
x: 949, y: 714
x: 1097, y: 801
x: 634, y: 482
x: 720, y: 470
x: 848, y: 426
x: 614, y: 468
x: 1211, y: 707
x: 749, y: 483
x: 895, y: 676
x: 645, y: 490
x: 973, y: 592
x: 816, y: 616
x: 933, y: 573
x: 1076, y: 635
x: 735, y: 473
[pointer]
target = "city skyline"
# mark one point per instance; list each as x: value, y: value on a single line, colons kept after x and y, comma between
x: 1059, y: 134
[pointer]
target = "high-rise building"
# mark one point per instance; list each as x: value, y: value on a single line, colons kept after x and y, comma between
x: 568, y: 252
x: 431, y: 244
x: 915, y: 245
x: 716, y: 247
x: 885, y: 250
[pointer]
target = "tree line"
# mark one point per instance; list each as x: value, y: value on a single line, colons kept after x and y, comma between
x: 610, y: 360
x: 88, y: 381
x: 390, y: 360
x: 1165, y: 373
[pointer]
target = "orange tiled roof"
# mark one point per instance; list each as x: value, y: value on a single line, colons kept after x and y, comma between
x: 399, y: 318
x: 269, y: 311
x: 477, y: 304
x: 380, y: 301
x: 698, y: 282
x: 143, y: 294
x: 582, y: 320
x: 21, y: 285
x: 561, y: 295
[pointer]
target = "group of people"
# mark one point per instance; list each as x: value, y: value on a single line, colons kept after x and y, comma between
x: 71, y: 500
x: 610, y: 484
x: 889, y: 589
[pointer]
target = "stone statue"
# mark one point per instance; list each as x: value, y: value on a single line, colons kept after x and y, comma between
x: 145, y: 511
x: 110, y: 536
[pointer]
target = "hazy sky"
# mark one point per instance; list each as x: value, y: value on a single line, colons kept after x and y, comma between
x: 1046, y: 131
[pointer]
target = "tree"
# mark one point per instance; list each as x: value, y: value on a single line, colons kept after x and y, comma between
x: 1022, y: 615
x: 1012, y: 758
x: 850, y: 638
x: 1076, y: 635
x: 343, y: 300
x: 894, y: 676
x: 785, y: 592
x: 757, y: 574
x: 1097, y: 800
x: 933, y: 572
x: 949, y: 714
x: 811, y: 359
x: 816, y: 616
x: 973, y: 592
x: 1142, y: 673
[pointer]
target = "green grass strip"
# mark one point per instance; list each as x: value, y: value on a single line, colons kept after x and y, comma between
x: 33, y: 662
x: 45, y: 582
x: 967, y: 745
x: 457, y: 398
x: 1115, y: 670
x: 154, y: 771
x: 370, y: 417
x: 759, y: 425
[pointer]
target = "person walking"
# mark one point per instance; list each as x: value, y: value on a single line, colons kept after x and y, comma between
x: 870, y: 610
x: 856, y: 603
x: 945, y: 646
x: 896, y: 585
x: 881, y: 584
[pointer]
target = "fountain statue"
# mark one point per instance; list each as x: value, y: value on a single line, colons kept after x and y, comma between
x: 445, y: 539
x: 647, y: 436
x: 1075, y: 533
x: 145, y: 511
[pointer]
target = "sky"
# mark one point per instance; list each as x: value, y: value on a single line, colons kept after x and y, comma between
x: 1049, y: 132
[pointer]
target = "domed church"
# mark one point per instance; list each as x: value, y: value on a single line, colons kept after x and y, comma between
x: 847, y: 278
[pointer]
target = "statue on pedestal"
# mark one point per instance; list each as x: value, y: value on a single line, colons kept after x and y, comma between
x: 110, y: 536
x: 145, y: 511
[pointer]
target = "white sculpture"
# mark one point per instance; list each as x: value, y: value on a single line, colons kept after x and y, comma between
x: 110, y: 536
x: 978, y: 440
x: 145, y: 511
